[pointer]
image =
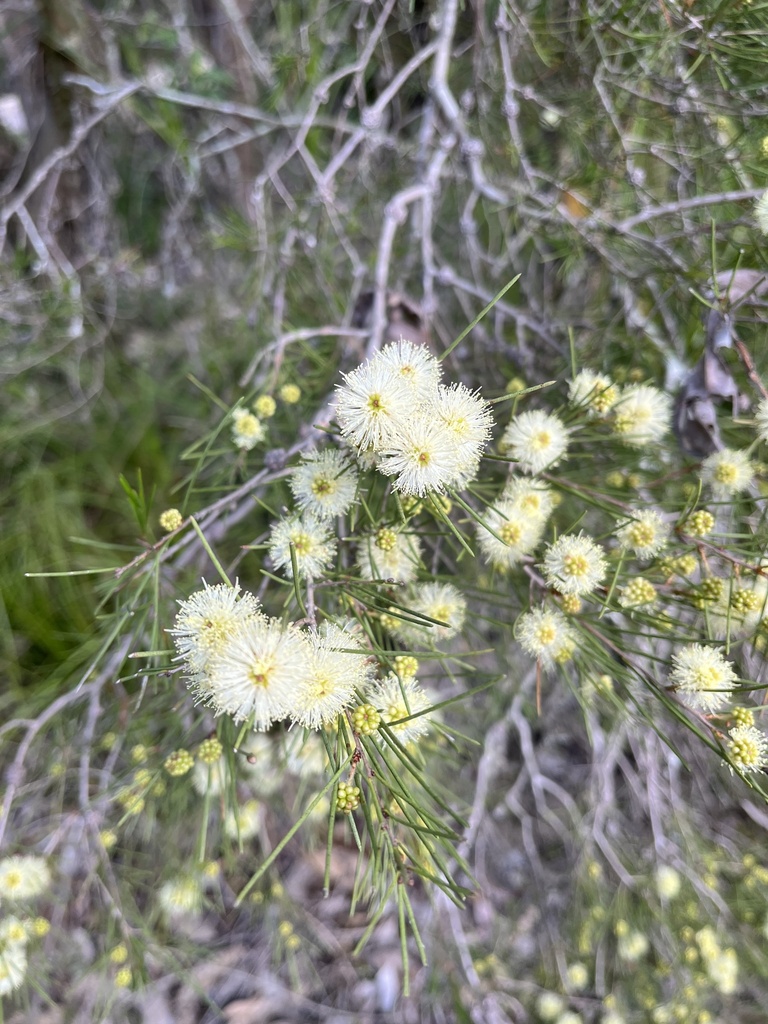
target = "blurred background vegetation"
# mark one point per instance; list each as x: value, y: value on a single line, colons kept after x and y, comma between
x: 204, y: 199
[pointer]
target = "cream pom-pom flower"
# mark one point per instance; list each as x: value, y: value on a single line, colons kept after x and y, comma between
x: 668, y: 882
x: 371, y: 404
x: 761, y: 420
x: 594, y: 392
x: 23, y: 877
x: 642, y: 415
x: 414, y: 365
x: 389, y: 554
x: 761, y: 212
x: 441, y: 601
x: 180, y: 897
x: 13, y: 966
x: 467, y: 420
x: 338, y: 668
x: 207, y: 619
x: 313, y: 545
x: 508, y: 533
x: 536, y: 440
x: 257, y: 673
x: 531, y: 497
x: 421, y: 455
x: 702, y: 677
x: 546, y: 635
x: 727, y: 472
x: 747, y: 748
x: 574, y: 564
x: 324, y: 483
x: 397, y: 700
x: 247, y: 429
x: 646, y: 534
x: 244, y: 820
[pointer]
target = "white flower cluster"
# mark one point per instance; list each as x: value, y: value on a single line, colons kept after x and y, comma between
x: 389, y: 555
x: 425, y: 435
x: 254, y: 668
x: 403, y: 706
x: 722, y: 965
x: 645, y: 534
x: 439, y: 610
x: 639, y: 415
x: 513, y: 526
x: 545, y: 634
x: 22, y: 878
x: 13, y: 954
x: 247, y: 429
x: 574, y: 564
x: 702, y: 677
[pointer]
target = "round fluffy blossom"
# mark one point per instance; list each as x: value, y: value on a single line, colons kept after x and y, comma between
x: 247, y: 429
x: 394, y: 556
x: 578, y: 977
x: 257, y: 672
x: 761, y: 212
x: 537, y: 440
x: 441, y: 601
x: 574, y: 564
x: 304, y: 754
x: 728, y: 471
x: 721, y: 965
x: 594, y: 391
x: 508, y: 534
x: 207, y: 619
x: 632, y: 946
x: 397, y: 699
x: 529, y: 496
x: 545, y: 634
x: 324, y: 483
x: 421, y: 455
x: 668, y: 882
x: 23, y: 877
x: 646, y: 534
x: 371, y: 403
x: 13, y: 966
x: 467, y: 421
x: 290, y: 393
x: 761, y: 420
x: 337, y: 669
x: 723, y: 970
x: 244, y: 821
x: 747, y: 748
x: 702, y: 676
x: 210, y: 778
x: 642, y: 415
x: 549, y: 1006
x: 180, y: 897
x: 313, y: 545
x: 738, y: 609
x: 414, y: 365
